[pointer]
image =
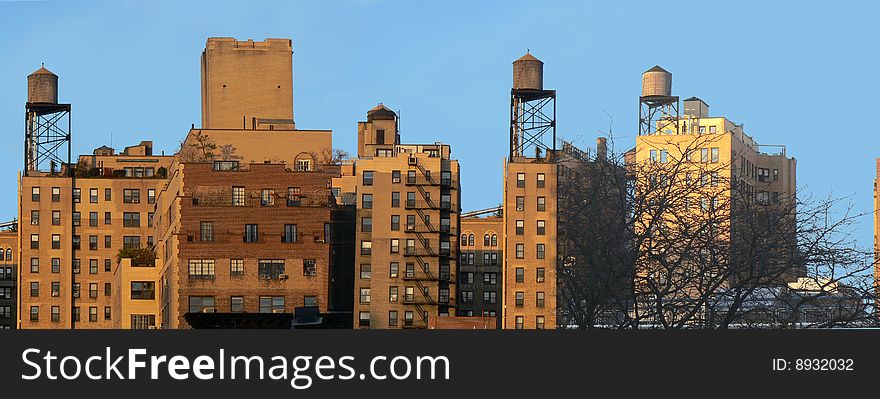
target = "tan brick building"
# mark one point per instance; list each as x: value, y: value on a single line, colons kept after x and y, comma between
x: 247, y: 84
x: 74, y: 229
x: 407, y: 198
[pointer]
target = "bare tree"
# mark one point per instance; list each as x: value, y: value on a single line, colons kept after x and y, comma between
x: 679, y: 241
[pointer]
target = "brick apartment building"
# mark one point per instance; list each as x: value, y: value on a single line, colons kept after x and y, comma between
x: 8, y: 279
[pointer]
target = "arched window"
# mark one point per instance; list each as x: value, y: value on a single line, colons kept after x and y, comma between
x: 486, y: 240
x: 464, y: 240
x: 9, y: 254
x: 471, y: 240
x: 494, y: 240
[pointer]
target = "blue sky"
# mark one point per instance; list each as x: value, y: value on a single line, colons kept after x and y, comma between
x: 795, y: 73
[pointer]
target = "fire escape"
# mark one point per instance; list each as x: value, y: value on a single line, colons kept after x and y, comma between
x: 424, y: 231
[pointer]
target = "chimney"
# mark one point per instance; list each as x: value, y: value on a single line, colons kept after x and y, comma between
x: 601, y: 149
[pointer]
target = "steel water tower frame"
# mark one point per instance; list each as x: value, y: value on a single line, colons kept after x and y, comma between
x: 532, y: 109
x: 47, y: 125
x: 657, y: 103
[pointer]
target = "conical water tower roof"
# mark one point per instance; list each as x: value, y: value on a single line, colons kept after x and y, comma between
x: 43, y: 71
x: 656, y: 68
x: 528, y: 57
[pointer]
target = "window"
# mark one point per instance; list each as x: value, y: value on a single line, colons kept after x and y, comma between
x: 392, y: 318
x: 446, y: 178
x: 490, y: 278
x: 130, y: 241
x: 520, y: 274
x: 542, y: 227
x: 365, y: 295
x: 366, y: 247
x: 199, y: 304
x: 289, y: 233
x: 445, y: 201
x: 365, y: 270
x: 35, y: 289
x: 56, y: 241
x: 93, y: 219
x: 443, y: 295
x: 236, y: 304
x: 35, y: 218
x: 395, y: 245
x: 704, y: 152
x: 539, y: 299
x: 539, y: 251
x: 539, y: 275
x: 267, y: 197
x: 76, y: 242
x: 76, y: 219
x: 35, y: 194
x: 408, y: 318
x: 392, y: 294
x: 238, y: 196
x: 539, y: 322
x: 715, y: 157
x: 107, y: 265
x: 271, y: 304
x: 494, y: 240
x: 490, y: 297
x: 201, y: 268
x: 652, y: 155
x: 206, y: 231
x: 395, y: 222
x: 107, y: 216
x: 410, y: 271
x: 367, y: 201
x: 310, y: 267
x: 35, y: 265
x: 108, y: 289
x: 520, y: 203
x: 410, y: 177
x: 151, y: 196
x: 108, y: 194
x: 541, y: 180
x: 393, y: 269
x: 395, y: 176
x: 93, y: 195
x: 93, y: 290
x: 408, y: 294
x: 368, y: 177
x: 467, y: 297
x: 144, y: 321
x: 106, y: 313
x: 225, y: 165
x: 303, y: 165
x: 271, y: 269
x: 131, y: 219
x: 93, y: 266
x: 467, y: 277
x: 56, y: 265
x: 143, y: 290
x: 395, y: 199
x: 410, y: 222
x: 541, y: 204
x: 410, y: 199
x: 520, y: 299
x: 93, y: 243
x: 520, y: 227
x: 76, y: 195
x: 56, y: 218
x: 35, y: 241
x: 294, y: 196
x: 251, y: 233
x: 363, y: 319
x: 520, y: 251
x: 131, y: 196
x: 310, y: 300
x: 35, y: 310
x: 520, y: 180
x: 519, y: 323
x: 366, y: 225
x: 236, y: 267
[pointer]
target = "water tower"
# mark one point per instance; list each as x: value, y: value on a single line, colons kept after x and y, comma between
x: 532, y: 109
x: 658, y: 108
x: 47, y: 125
